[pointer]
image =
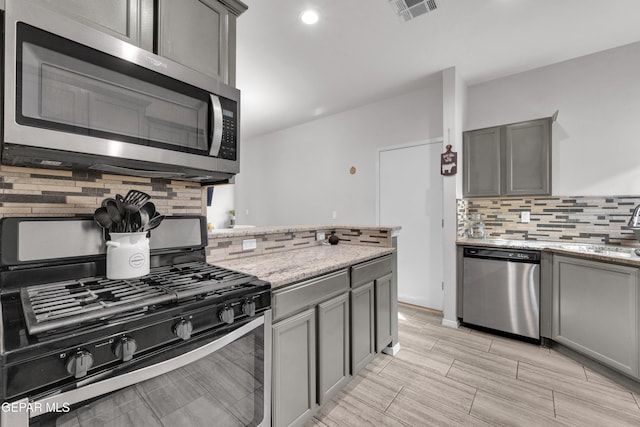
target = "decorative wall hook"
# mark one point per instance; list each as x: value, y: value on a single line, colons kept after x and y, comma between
x: 449, y: 162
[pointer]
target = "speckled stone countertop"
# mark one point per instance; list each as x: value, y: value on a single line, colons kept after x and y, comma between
x: 252, y: 231
x: 606, y: 253
x: 285, y: 268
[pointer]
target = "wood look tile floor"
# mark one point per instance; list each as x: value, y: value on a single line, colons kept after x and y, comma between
x: 464, y: 377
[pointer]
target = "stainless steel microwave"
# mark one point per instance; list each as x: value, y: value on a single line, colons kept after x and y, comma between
x: 77, y: 98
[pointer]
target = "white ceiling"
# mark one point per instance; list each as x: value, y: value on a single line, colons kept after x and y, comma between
x: 360, y: 51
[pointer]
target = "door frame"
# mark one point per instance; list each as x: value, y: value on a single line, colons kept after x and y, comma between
x: 424, y: 142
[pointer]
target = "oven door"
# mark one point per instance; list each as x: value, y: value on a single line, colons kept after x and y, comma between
x: 223, y: 382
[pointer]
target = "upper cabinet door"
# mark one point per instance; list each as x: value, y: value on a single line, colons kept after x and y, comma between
x: 481, y: 163
x: 528, y: 158
x: 129, y: 20
x: 196, y: 33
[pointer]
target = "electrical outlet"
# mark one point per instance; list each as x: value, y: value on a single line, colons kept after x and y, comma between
x: 334, y: 214
x: 525, y: 217
x: 320, y: 235
x: 249, y: 244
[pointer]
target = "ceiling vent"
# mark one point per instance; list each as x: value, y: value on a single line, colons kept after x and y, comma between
x: 409, y: 9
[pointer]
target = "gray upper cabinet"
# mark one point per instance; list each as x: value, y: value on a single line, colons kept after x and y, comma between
x: 528, y: 158
x: 200, y: 34
x: 481, y: 163
x: 595, y: 311
x: 511, y: 160
x: 129, y: 20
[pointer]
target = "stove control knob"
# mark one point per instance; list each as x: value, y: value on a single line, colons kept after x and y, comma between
x: 226, y: 315
x: 183, y: 329
x: 124, y: 348
x: 79, y: 363
x: 249, y: 308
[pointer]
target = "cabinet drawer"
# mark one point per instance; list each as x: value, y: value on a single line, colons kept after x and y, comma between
x: 309, y: 293
x: 370, y: 270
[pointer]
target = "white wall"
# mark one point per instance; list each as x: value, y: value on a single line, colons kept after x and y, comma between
x: 301, y: 175
x: 596, y: 140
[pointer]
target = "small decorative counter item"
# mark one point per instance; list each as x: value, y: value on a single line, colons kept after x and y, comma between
x: 232, y: 218
x: 127, y: 255
x: 476, y: 226
x: 333, y: 239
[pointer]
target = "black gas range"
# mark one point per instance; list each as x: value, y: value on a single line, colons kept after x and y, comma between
x: 65, y: 325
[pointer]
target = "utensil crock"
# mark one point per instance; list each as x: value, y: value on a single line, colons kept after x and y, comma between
x: 127, y: 255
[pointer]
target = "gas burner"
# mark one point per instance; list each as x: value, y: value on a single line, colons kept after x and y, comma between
x: 59, y: 305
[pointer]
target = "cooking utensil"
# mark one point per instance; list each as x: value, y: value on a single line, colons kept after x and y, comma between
x: 132, y: 203
x: 136, y: 198
x: 102, y: 217
x: 153, y: 223
x: 114, y: 213
x: 149, y: 208
x: 146, y: 212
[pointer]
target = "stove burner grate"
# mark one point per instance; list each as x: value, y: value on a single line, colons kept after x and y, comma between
x: 63, y: 304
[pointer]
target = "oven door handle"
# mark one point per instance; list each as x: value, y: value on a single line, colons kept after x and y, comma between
x: 89, y: 391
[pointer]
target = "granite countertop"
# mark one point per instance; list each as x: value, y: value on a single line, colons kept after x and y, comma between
x: 285, y: 268
x: 606, y: 253
x: 252, y: 231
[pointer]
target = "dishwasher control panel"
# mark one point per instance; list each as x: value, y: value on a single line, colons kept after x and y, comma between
x: 505, y: 254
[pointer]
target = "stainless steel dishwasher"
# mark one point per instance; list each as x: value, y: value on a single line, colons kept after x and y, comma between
x: 501, y: 290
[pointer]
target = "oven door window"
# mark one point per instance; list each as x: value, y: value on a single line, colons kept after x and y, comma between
x: 224, y: 388
x: 66, y: 86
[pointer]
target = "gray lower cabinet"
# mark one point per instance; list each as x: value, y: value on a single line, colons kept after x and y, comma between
x: 383, y: 306
x: 325, y: 330
x: 311, y: 344
x: 595, y: 311
x: 373, y: 308
x: 510, y: 160
x: 209, y: 44
x: 362, y: 327
x: 294, y: 369
x: 333, y: 346
x: 129, y: 20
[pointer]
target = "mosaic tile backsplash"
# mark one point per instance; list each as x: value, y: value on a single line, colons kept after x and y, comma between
x: 595, y: 220
x: 49, y: 192
x: 223, y: 248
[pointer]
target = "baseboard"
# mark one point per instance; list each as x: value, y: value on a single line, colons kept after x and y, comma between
x: 392, y: 350
x: 450, y: 323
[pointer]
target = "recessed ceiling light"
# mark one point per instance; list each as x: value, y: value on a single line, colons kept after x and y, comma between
x: 309, y: 17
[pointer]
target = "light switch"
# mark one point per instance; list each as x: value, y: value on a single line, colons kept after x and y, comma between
x: 525, y: 217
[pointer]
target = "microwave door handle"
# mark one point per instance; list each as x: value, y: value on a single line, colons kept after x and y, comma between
x: 216, y: 125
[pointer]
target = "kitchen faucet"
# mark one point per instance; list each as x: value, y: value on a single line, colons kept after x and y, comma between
x: 635, y: 217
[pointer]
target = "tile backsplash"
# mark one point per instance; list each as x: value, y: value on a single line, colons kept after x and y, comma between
x: 596, y: 220
x: 49, y: 192
x: 223, y: 247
